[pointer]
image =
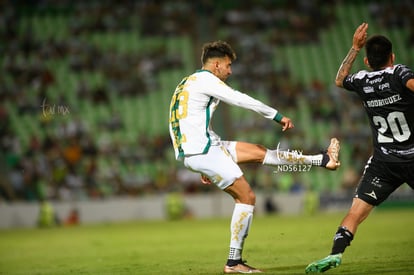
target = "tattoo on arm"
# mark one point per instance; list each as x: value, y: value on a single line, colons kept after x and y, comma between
x: 346, y: 66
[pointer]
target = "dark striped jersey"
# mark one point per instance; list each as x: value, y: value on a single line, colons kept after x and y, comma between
x: 389, y: 105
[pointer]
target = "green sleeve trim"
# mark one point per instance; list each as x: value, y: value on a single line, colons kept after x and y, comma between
x: 278, y: 117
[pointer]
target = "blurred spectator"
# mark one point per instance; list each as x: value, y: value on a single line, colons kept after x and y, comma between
x: 72, y: 152
x: 47, y: 216
x: 73, y: 218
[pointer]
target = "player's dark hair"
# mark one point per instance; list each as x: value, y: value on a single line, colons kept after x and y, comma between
x: 217, y: 49
x: 378, y: 49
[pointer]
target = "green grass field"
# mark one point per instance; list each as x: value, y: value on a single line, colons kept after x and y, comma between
x: 277, y: 244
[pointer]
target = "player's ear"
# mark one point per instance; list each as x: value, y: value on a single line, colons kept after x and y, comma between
x: 392, y: 58
x: 217, y: 63
x: 366, y: 62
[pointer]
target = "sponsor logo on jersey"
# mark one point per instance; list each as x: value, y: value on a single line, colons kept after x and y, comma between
x: 368, y: 89
x: 384, y: 86
x: 375, y: 80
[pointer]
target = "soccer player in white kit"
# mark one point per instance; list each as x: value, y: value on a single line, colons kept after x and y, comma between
x: 192, y: 106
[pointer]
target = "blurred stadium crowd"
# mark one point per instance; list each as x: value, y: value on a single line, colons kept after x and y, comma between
x: 63, y: 133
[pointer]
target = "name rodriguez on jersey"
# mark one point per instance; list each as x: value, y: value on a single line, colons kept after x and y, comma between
x: 382, y: 102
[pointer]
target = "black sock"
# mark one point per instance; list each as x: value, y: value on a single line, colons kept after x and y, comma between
x: 234, y: 262
x: 325, y: 159
x: 342, y: 239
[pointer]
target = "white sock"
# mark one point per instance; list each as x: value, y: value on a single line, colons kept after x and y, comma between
x: 277, y: 157
x: 239, y: 228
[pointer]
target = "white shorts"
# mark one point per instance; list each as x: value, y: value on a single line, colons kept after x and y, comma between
x: 218, y: 165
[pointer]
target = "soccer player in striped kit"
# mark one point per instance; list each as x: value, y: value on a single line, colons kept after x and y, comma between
x: 387, y: 93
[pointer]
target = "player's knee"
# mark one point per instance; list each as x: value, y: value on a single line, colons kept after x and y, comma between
x: 252, y: 198
x: 241, y: 191
x: 249, y: 198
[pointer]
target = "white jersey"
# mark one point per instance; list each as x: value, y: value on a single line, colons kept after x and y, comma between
x: 192, y: 107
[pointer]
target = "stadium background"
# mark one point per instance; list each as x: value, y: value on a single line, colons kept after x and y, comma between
x: 85, y: 90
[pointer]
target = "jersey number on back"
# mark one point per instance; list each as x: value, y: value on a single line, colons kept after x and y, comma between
x: 179, y: 106
x: 396, y: 122
x: 178, y: 110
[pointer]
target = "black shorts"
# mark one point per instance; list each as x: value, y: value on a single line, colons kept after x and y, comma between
x: 380, y: 179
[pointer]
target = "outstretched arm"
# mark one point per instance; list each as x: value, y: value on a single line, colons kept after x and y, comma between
x: 358, y: 43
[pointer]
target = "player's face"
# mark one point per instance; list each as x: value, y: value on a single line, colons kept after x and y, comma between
x: 223, y: 68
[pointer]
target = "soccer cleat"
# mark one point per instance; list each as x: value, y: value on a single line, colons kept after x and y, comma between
x: 333, y: 154
x: 240, y: 268
x: 324, y: 264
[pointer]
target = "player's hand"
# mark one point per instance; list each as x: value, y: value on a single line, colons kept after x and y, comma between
x: 286, y: 123
x: 205, y: 180
x: 360, y: 36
